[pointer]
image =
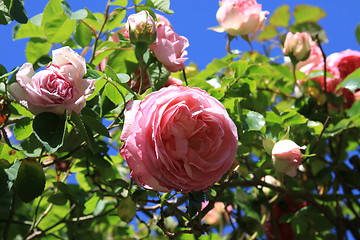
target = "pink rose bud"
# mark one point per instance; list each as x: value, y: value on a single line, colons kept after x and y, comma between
x: 240, y: 17
x: 297, y: 46
x: 178, y: 138
x: 169, y: 48
x: 142, y: 28
x: 59, y: 87
x: 286, y: 157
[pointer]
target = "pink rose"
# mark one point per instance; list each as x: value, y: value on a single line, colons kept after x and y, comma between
x: 58, y: 88
x: 218, y: 214
x: 141, y: 27
x: 240, y: 17
x: 286, y: 157
x: 169, y: 48
x: 178, y: 138
x: 339, y: 65
x: 297, y: 45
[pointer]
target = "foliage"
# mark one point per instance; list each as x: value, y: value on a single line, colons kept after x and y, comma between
x: 61, y: 177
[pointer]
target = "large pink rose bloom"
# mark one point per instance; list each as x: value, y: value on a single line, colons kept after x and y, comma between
x: 178, y: 138
x: 58, y: 88
x: 240, y: 17
x: 169, y: 48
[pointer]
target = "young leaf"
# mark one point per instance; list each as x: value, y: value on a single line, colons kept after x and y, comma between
x: 60, y: 28
x: 281, y: 16
x: 36, y: 48
x: 49, y: 128
x: 306, y: 13
x: 23, y: 128
x: 83, y: 34
x: 161, y: 5
x: 30, y: 180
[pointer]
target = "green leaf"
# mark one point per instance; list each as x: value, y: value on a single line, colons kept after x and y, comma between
x: 5, y: 17
x: 23, y: 128
x: 239, y: 67
x: 306, y: 13
x: 60, y: 28
x: 126, y: 209
x: 52, y: 8
x: 87, y: 135
x: 30, y: 180
x: 116, y: 19
x: 59, y: 199
x: 357, y: 33
x: 114, y: 94
x: 83, y: 34
x: 49, y: 128
x: 17, y: 11
x: 28, y: 30
x: 90, y: 205
x: 351, y: 82
x: 159, y: 75
x: 268, y: 33
x: 292, y: 117
x: 253, y: 121
x: 36, y: 48
x: 94, y: 124
x: 136, y: 2
x: 121, y: 3
x: 281, y: 16
x: 161, y: 5
x: 79, y: 15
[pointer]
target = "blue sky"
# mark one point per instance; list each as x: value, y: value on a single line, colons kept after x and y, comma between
x: 192, y: 18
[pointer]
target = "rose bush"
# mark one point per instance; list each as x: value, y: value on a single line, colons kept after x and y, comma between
x: 286, y: 157
x: 59, y: 87
x: 178, y: 138
x: 240, y: 17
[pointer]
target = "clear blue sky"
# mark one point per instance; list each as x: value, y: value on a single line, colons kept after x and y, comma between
x: 193, y: 17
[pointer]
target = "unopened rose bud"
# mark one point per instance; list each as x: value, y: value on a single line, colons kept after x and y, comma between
x: 142, y: 28
x: 297, y: 46
x: 286, y: 157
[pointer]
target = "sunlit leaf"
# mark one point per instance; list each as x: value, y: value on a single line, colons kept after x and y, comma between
x: 307, y: 13
x: 351, y: 82
x: 281, y: 16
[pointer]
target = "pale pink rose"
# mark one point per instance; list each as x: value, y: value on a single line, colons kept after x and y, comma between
x: 59, y: 87
x: 169, y: 48
x: 178, y: 138
x: 141, y: 27
x: 161, y: 20
x: 286, y: 157
x: 240, y: 17
x: 297, y: 45
x: 218, y: 214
